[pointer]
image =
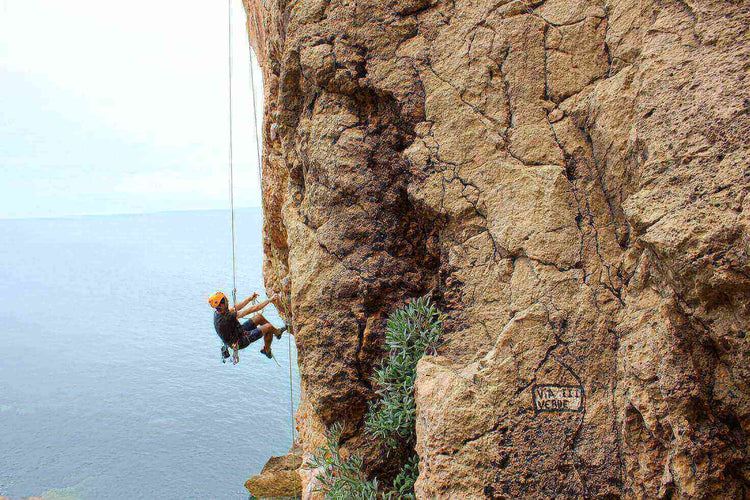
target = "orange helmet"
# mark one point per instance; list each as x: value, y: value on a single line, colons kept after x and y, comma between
x: 215, y: 299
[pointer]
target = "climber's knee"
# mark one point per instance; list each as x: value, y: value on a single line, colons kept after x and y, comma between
x: 267, y: 329
x: 259, y: 319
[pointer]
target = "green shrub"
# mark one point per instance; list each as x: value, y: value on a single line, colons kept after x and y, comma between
x: 403, y: 484
x: 341, y: 479
x: 344, y: 480
x: 412, y: 332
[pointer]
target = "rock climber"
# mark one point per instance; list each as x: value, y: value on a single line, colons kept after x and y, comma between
x: 240, y: 335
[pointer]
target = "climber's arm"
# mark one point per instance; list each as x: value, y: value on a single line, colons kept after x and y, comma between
x: 254, y: 308
x: 243, y: 303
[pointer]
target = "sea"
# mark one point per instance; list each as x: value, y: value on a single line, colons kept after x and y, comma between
x: 111, y: 380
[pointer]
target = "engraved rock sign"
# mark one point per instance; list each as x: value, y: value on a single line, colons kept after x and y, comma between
x: 557, y: 398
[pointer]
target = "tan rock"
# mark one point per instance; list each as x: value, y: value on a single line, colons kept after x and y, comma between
x: 570, y: 179
x: 279, y: 478
x: 576, y: 56
x: 555, y: 115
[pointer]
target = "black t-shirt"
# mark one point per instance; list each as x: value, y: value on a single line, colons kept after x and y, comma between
x: 227, y: 327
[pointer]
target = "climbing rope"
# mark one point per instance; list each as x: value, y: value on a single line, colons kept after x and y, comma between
x: 282, y: 293
x: 231, y: 164
x: 235, y: 347
x: 291, y: 330
x: 255, y: 123
x: 291, y: 393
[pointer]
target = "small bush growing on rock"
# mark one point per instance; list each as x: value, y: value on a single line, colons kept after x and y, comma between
x: 341, y: 479
x: 411, y: 333
x: 403, y: 484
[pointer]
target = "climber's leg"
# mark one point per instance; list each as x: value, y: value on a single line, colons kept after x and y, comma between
x: 268, y: 331
x: 249, y: 325
x: 259, y: 319
x: 248, y: 337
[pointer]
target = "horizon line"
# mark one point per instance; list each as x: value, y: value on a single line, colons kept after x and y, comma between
x: 113, y: 214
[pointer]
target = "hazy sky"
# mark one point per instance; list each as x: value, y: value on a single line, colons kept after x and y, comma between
x: 117, y: 107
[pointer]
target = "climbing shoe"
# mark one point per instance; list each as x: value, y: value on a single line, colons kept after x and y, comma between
x: 281, y: 330
x: 266, y: 353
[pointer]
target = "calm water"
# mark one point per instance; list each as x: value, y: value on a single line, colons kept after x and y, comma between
x: 111, y: 384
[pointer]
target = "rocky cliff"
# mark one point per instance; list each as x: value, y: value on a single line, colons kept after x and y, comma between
x: 569, y: 178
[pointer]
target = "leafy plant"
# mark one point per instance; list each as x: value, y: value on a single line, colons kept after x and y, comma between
x: 411, y: 333
x: 403, y: 484
x: 341, y: 479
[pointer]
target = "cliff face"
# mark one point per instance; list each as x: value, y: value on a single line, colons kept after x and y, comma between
x: 570, y: 179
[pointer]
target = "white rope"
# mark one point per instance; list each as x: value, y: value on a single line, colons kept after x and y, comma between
x: 235, y: 348
x: 231, y: 163
x: 258, y: 155
x: 255, y: 125
x: 291, y: 387
x: 260, y: 181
